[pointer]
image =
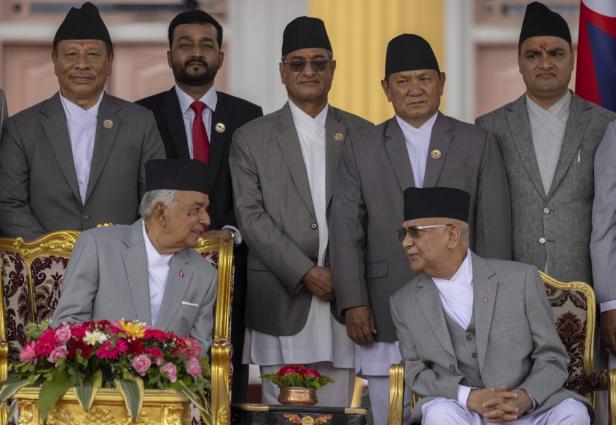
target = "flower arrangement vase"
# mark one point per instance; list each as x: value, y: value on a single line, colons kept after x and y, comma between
x: 298, y: 396
x: 159, y: 407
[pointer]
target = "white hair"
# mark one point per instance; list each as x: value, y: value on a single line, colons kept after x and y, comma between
x: 153, y: 197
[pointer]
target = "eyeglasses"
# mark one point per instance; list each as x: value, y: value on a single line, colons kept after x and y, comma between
x: 297, y: 64
x: 416, y: 231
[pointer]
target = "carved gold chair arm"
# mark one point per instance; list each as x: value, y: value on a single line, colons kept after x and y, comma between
x: 396, y: 394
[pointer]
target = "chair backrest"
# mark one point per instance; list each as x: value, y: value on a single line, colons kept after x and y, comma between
x: 573, y: 309
x: 219, y: 252
x: 32, y: 274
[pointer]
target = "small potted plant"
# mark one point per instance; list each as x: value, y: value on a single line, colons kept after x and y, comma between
x: 298, y: 384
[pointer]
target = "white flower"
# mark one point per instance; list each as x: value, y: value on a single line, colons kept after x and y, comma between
x: 94, y: 337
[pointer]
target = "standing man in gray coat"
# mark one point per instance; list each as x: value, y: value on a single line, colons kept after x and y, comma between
x: 418, y: 147
x: 548, y: 138
x: 282, y: 168
x: 476, y: 335
x: 76, y: 159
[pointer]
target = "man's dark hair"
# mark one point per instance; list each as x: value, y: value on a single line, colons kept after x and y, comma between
x: 195, y: 17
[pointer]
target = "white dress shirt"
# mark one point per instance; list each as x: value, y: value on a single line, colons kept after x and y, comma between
x: 322, y: 339
x: 158, y: 271
x: 81, y: 125
x: 210, y: 98
x: 417, y: 142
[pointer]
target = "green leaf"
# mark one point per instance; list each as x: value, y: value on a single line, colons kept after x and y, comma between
x: 11, y: 387
x: 86, y: 390
x: 132, y: 391
x: 52, y: 391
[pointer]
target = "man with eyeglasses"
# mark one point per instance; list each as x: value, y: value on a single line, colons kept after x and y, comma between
x: 282, y: 167
x: 197, y: 121
x: 476, y: 335
x: 418, y: 147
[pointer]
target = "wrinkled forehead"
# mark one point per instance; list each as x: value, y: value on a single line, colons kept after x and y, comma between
x: 81, y: 44
x: 309, y: 53
x: 192, y: 198
x: 544, y: 42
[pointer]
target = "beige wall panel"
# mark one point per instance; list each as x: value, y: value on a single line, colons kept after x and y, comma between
x: 359, y: 31
x: 27, y: 75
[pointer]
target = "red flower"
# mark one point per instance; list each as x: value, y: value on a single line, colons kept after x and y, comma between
x: 189, y: 347
x: 156, y: 334
x: 309, y: 372
x: 286, y: 370
x: 112, y: 351
x: 46, y: 343
x: 136, y: 347
x: 73, y: 346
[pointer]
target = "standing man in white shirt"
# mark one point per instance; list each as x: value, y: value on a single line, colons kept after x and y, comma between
x: 197, y: 121
x: 76, y: 159
x: 282, y: 167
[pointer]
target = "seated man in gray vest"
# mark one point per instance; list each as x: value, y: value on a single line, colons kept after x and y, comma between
x: 476, y: 335
x: 148, y: 271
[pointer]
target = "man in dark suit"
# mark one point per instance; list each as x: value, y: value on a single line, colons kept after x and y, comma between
x: 418, y: 147
x: 196, y: 121
x: 77, y: 159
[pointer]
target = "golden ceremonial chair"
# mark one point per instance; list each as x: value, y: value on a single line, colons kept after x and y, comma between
x: 32, y: 275
x: 573, y: 308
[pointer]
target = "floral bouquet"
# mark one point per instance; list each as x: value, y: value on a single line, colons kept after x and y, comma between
x: 298, y: 376
x: 129, y: 356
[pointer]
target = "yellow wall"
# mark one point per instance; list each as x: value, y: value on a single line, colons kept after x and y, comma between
x: 359, y: 31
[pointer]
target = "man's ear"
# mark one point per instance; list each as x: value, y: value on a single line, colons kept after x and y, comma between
x: 159, y: 214
x: 454, y: 236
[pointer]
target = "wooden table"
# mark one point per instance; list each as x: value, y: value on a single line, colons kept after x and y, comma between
x: 261, y: 414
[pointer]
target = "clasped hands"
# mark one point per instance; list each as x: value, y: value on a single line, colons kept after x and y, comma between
x: 318, y: 281
x: 498, y: 404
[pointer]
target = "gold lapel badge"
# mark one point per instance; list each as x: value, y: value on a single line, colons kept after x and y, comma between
x: 435, y: 154
x: 339, y: 137
x: 107, y: 123
x: 220, y: 127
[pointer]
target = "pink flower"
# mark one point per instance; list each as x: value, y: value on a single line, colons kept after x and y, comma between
x: 170, y: 370
x: 46, y: 343
x: 193, y: 367
x: 111, y: 350
x: 141, y: 364
x: 63, y: 334
x: 189, y: 347
x: 58, y: 353
x: 28, y: 354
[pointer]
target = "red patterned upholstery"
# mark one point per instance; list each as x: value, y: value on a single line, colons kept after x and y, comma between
x: 47, y: 277
x: 569, y: 311
x: 16, y: 296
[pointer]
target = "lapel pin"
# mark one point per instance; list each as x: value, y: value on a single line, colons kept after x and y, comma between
x: 435, y: 154
x: 339, y: 137
x: 486, y: 298
x: 181, y: 274
x: 220, y: 127
x: 107, y: 123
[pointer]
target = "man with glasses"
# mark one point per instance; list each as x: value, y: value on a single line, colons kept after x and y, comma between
x: 418, y: 147
x: 282, y: 167
x: 476, y: 335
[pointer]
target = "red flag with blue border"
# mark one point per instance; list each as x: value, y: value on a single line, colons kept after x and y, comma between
x: 596, y: 58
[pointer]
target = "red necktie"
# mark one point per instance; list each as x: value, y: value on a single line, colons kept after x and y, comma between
x: 201, y: 144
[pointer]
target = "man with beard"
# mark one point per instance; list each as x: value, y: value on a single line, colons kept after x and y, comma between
x: 196, y: 121
x: 77, y: 159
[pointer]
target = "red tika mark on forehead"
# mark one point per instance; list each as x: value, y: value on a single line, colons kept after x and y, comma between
x: 543, y: 46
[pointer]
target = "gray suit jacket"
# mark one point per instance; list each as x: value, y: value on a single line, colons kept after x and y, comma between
x: 368, y: 262
x: 603, y: 237
x: 517, y: 344
x: 275, y: 213
x: 38, y: 183
x: 3, y: 112
x: 107, y: 278
x: 551, y: 231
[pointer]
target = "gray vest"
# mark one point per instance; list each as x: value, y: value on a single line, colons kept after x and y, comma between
x: 465, y: 347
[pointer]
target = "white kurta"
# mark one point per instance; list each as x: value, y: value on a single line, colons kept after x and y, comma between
x: 548, y: 131
x: 81, y: 125
x: 158, y: 271
x: 375, y: 360
x: 322, y: 339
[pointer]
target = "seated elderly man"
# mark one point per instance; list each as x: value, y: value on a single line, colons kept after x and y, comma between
x: 148, y: 271
x: 476, y: 335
